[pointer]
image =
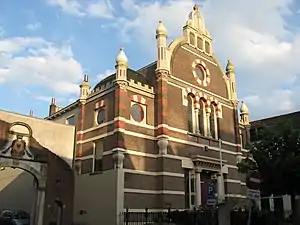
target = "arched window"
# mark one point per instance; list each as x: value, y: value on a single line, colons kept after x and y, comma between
x: 201, y: 118
x: 190, y: 113
x: 213, y: 122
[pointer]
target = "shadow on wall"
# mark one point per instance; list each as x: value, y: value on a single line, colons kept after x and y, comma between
x: 17, y: 190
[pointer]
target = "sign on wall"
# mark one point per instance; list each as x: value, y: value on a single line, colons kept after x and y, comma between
x: 211, y: 193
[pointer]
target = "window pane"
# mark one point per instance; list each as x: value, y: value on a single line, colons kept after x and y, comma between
x: 200, y: 72
x: 212, y: 122
x: 101, y: 116
x: 87, y: 166
x: 201, y: 119
x: 71, y: 120
x: 137, y: 112
x: 190, y: 114
x: 200, y: 43
x: 98, y: 165
x: 98, y: 155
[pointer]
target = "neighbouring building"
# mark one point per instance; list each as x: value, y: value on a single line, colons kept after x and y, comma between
x: 36, y: 175
x: 151, y: 138
x: 256, y: 125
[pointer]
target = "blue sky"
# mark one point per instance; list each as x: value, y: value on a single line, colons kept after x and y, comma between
x: 47, y: 45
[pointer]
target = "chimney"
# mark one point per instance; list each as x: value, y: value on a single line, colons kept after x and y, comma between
x: 31, y: 113
x: 52, y: 108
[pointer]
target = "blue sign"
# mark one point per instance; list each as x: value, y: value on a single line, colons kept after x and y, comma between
x: 211, y: 193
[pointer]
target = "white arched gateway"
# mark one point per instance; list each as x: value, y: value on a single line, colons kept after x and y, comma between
x: 52, y: 174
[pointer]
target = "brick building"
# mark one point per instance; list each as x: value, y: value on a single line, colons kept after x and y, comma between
x: 150, y: 137
x: 256, y: 125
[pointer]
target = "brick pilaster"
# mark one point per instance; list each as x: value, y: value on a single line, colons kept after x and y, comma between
x: 162, y: 101
x: 80, y: 128
x: 236, y: 126
x: 121, y: 107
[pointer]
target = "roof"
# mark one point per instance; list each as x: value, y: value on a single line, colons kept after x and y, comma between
x: 143, y: 75
x: 293, y: 117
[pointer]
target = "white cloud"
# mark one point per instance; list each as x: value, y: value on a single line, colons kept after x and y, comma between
x: 35, y: 62
x: 33, y: 26
x: 264, y: 51
x: 105, y: 74
x: 99, y: 9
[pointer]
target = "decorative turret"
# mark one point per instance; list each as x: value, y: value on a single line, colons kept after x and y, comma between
x: 244, y: 113
x: 230, y: 72
x: 196, y: 33
x: 84, y: 88
x: 161, y: 39
x: 121, y: 66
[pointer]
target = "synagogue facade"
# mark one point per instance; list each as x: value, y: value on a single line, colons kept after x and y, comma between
x: 159, y: 136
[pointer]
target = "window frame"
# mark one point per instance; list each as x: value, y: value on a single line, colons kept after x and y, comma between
x: 67, y: 120
x: 215, y: 122
x: 97, y: 113
x: 144, y: 109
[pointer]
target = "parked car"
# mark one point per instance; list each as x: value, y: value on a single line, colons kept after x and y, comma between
x: 18, y: 217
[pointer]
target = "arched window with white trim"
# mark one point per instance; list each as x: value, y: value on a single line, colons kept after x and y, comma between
x: 190, y: 113
x: 213, y: 122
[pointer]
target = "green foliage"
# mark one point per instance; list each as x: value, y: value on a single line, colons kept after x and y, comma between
x: 277, y: 155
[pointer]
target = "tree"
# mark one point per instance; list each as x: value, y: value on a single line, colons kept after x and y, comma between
x: 277, y: 157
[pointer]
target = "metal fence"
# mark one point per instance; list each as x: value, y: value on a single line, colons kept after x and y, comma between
x: 201, y: 216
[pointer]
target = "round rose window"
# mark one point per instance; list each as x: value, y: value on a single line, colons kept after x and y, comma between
x: 137, y: 112
x: 101, y: 116
x: 200, y: 72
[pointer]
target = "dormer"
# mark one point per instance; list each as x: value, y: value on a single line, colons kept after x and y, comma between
x: 196, y: 33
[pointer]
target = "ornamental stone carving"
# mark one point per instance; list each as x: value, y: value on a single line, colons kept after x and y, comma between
x: 163, y: 145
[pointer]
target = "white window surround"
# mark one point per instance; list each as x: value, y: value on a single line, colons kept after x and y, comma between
x: 144, y: 107
x: 96, y: 115
x: 205, y: 119
x: 203, y: 43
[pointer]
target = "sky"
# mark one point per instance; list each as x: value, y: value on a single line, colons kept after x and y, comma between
x: 47, y: 45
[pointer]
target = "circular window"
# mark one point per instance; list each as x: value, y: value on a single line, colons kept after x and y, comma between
x: 200, y: 72
x: 101, y: 116
x: 137, y: 112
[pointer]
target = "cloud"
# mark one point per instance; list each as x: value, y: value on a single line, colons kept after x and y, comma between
x: 99, y: 9
x: 33, y: 26
x: 106, y: 73
x: 35, y: 62
x: 264, y: 49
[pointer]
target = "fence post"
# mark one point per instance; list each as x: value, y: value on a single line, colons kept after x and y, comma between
x: 146, y: 215
x: 169, y: 214
x: 126, y: 217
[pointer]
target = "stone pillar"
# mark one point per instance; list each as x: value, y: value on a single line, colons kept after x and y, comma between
x: 118, y: 157
x: 221, y: 189
x: 198, y: 186
x: 40, y: 205
x: 208, y: 111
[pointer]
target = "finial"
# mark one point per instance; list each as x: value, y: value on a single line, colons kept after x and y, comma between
x: 52, y: 101
x: 86, y: 78
x: 229, y: 66
x: 195, y: 8
x: 121, y: 57
x: 244, y: 109
x: 161, y: 30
